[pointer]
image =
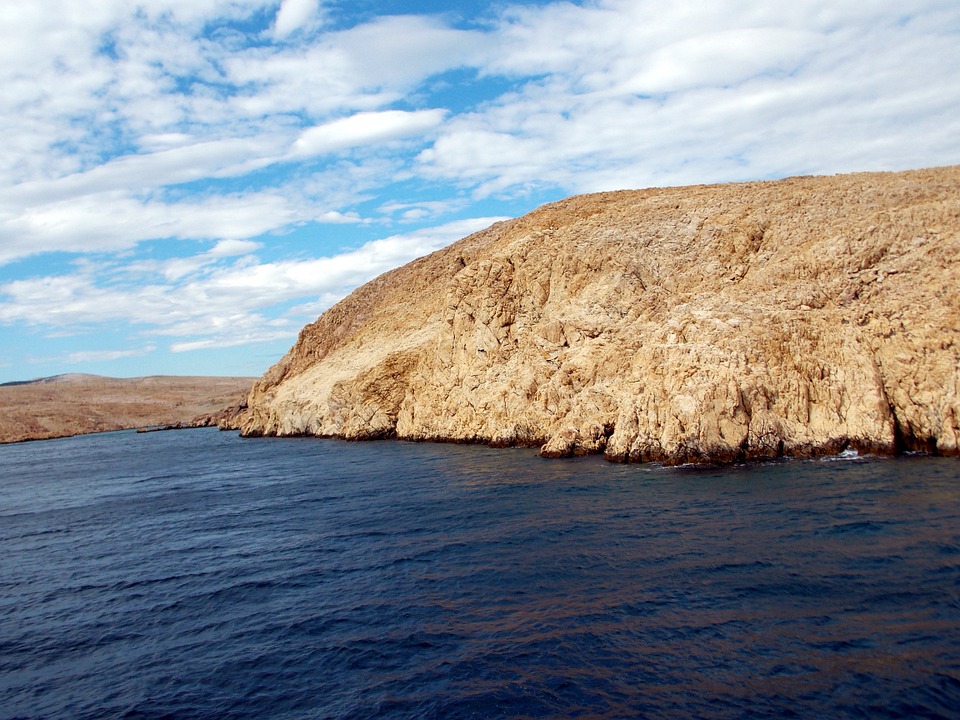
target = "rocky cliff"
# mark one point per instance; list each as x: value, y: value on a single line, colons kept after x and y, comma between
x: 708, y: 323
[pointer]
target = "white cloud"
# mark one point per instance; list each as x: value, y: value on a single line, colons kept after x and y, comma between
x: 231, y: 248
x: 127, y: 122
x: 176, y: 268
x: 415, y: 211
x: 252, y: 338
x: 210, y: 298
x: 723, y: 58
x: 195, y: 161
x: 120, y: 103
x: 88, y: 356
x: 338, y: 218
x: 112, y: 221
x: 365, y: 129
x: 294, y: 15
x: 35, y: 220
x: 280, y: 281
x: 363, y: 68
x: 630, y: 94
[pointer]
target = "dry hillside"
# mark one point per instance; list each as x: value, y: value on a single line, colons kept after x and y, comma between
x: 77, y: 404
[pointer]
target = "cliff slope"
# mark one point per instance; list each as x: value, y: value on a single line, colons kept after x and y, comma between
x: 707, y: 323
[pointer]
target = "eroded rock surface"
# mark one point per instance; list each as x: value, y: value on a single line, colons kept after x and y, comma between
x: 707, y: 323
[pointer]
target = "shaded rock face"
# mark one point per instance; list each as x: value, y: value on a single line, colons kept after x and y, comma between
x: 696, y: 324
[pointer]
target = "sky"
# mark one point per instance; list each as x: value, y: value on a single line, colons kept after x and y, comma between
x: 184, y: 184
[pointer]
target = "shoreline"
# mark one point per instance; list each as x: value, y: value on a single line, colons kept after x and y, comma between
x: 720, y: 459
x: 71, y: 405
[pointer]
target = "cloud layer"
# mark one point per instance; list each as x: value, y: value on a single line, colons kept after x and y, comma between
x: 188, y: 170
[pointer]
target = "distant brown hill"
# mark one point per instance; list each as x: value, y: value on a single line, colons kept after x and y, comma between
x: 77, y: 404
x: 711, y: 323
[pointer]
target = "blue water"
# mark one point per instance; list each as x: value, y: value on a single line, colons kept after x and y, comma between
x: 198, y: 575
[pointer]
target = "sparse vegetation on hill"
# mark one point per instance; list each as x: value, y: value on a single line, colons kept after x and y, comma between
x: 77, y: 404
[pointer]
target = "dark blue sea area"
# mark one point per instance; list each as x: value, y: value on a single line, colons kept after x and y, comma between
x: 198, y: 575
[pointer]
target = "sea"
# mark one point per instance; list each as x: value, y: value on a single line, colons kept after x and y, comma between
x: 195, y: 574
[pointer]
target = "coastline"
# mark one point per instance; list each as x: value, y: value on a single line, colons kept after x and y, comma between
x: 720, y: 323
x: 70, y: 405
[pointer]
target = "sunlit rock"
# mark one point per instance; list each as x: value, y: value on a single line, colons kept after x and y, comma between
x: 696, y: 324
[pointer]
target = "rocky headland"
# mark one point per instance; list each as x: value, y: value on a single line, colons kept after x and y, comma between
x: 77, y: 404
x: 697, y: 324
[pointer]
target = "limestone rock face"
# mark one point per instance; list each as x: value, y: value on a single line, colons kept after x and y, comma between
x: 695, y: 324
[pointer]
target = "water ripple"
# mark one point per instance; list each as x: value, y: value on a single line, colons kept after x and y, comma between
x: 182, y: 575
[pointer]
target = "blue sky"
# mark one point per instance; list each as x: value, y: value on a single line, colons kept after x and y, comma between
x: 185, y: 183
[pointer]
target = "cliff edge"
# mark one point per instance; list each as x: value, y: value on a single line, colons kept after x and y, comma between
x: 695, y: 324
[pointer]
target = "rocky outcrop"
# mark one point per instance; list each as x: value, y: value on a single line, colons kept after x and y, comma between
x: 695, y: 324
